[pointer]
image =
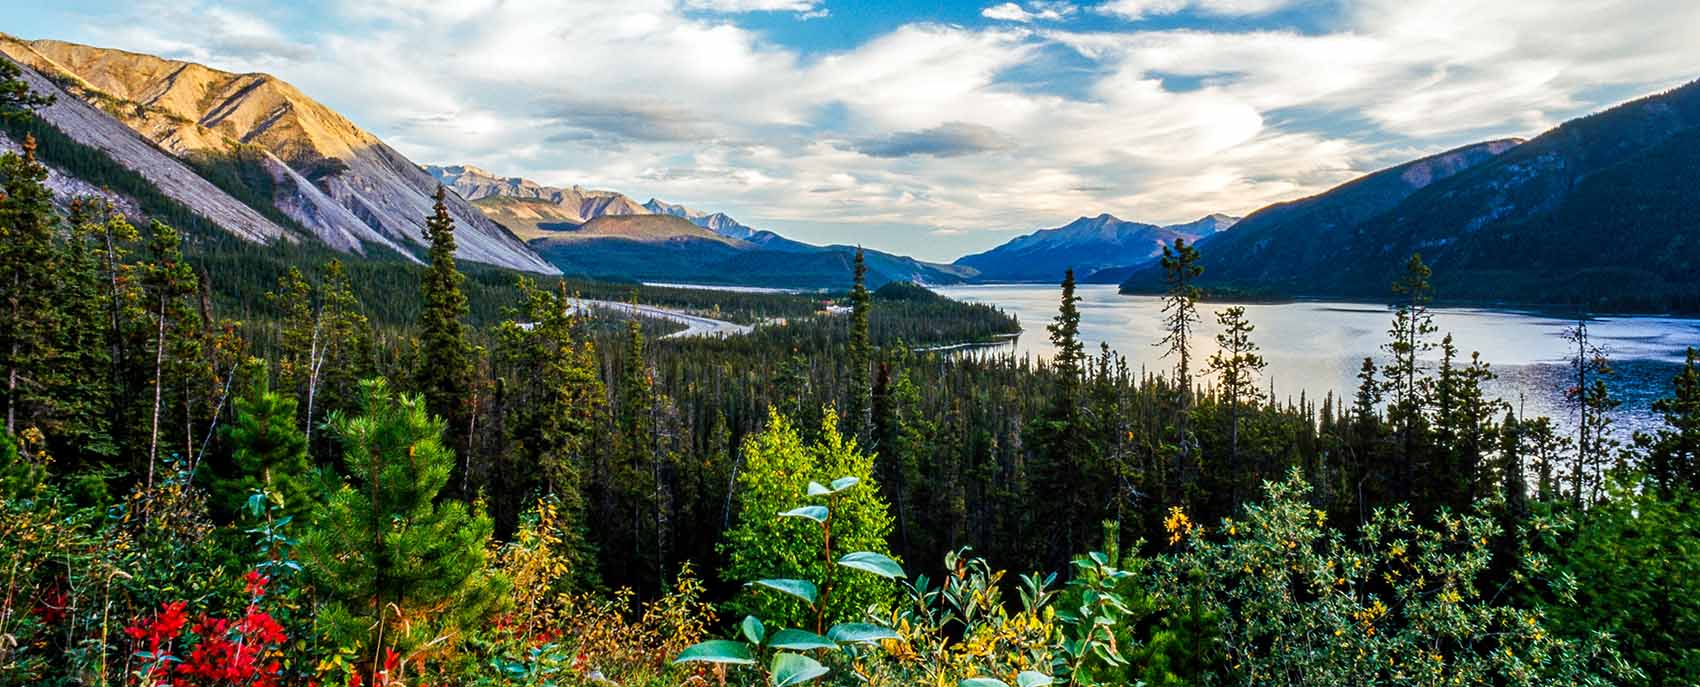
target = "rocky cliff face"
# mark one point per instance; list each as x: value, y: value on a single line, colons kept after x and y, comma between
x: 339, y: 181
x: 94, y: 128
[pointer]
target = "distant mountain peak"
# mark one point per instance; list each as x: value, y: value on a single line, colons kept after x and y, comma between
x: 1088, y: 244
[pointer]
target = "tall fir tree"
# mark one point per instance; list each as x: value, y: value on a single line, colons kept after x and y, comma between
x: 445, y: 365
x: 1593, y: 404
x: 1673, y: 451
x: 1236, y: 364
x: 1405, y: 382
x: 1180, y: 314
x: 29, y: 272
x: 173, y: 321
x: 860, y: 406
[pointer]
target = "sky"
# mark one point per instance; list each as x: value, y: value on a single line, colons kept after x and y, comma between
x: 936, y: 128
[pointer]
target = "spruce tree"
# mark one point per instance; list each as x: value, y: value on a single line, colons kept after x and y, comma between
x: 553, y: 404
x: 16, y: 97
x: 1673, y: 451
x: 29, y: 272
x: 268, y: 453
x: 1180, y: 310
x: 1405, y: 382
x: 1593, y: 403
x: 860, y: 406
x: 1236, y: 363
x: 86, y: 389
x: 445, y: 372
x: 169, y: 284
x: 396, y: 567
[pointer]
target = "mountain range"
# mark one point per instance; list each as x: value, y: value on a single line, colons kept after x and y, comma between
x: 609, y: 234
x: 1601, y: 212
x: 309, y: 169
x: 1099, y: 249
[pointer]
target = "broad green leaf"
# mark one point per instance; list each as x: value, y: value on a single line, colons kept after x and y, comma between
x: 856, y: 633
x: 815, y: 513
x: 792, y: 669
x: 802, y: 589
x: 799, y: 640
x: 753, y: 630
x: 876, y: 563
x: 982, y: 682
x: 1030, y: 678
x: 717, y: 651
x: 815, y: 489
x: 843, y: 483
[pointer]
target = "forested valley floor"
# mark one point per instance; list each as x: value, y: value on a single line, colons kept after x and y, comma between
x: 226, y: 464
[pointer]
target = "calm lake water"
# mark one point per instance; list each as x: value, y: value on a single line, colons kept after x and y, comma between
x: 1317, y: 348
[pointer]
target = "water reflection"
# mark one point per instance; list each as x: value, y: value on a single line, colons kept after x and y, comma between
x: 1317, y: 348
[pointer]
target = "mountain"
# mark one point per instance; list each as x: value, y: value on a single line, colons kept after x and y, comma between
x: 607, y: 234
x: 720, y: 222
x: 294, y: 162
x: 1600, y: 212
x: 1090, y: 245
x: 1280, y: 246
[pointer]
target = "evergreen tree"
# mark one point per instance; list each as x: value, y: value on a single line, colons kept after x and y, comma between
x: 1236, y: 364
x: 169, y: 284
x: 1405, y: 382
x: 445, y: 367
x: 1591, y: 398
x: 1673, y: 451
x: 268, y: 453
x: 397, y: 569
x: 85, y: 386
x: 1180, y: 313
x: 1069, y: 360
x: 859, y: 409
x: 553, y: 403
x: 29, y: 272
x: 1180, y: 310
x: 1061, y: 441
x: 16, y: 97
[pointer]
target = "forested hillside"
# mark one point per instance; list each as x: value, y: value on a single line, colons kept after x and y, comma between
x: 228, y: 464
x: 1597, y: 214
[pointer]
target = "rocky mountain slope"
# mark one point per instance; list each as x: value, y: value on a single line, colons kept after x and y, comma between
x: 1602, y: 212
x: 1090, y: 245
x: 341, y: 183
x: 1281, y: 246
x: 607, y: 234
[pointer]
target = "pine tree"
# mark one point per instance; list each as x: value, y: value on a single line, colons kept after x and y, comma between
x: 1180, y: 310
x: 16, y: 97
x: 168, y: 285
x: 553, y: 404
x: 1673, y: 451
x: 398, y: 569
x: 1591, y: 398
x: 1236, y: 363
x: 85, y: 386
x: 1405, y: 383
x: 29, y: 273
x: 445, y: 372
x: 860, y: 406
x: 1069, y: 360
x: 268, y: 453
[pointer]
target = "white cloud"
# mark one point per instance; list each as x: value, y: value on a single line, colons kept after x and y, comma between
x: 1140, y: 9
x: 1041, y: 11
x: 938, y: 138
x: 754, y: 5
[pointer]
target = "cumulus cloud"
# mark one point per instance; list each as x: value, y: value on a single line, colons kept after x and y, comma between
x: 944, y: 137
x: 1040, y: 11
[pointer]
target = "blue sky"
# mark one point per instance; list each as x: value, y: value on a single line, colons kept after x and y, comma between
x: 928, y: 128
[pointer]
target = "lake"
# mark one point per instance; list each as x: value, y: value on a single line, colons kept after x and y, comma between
x: 1317, y: 347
